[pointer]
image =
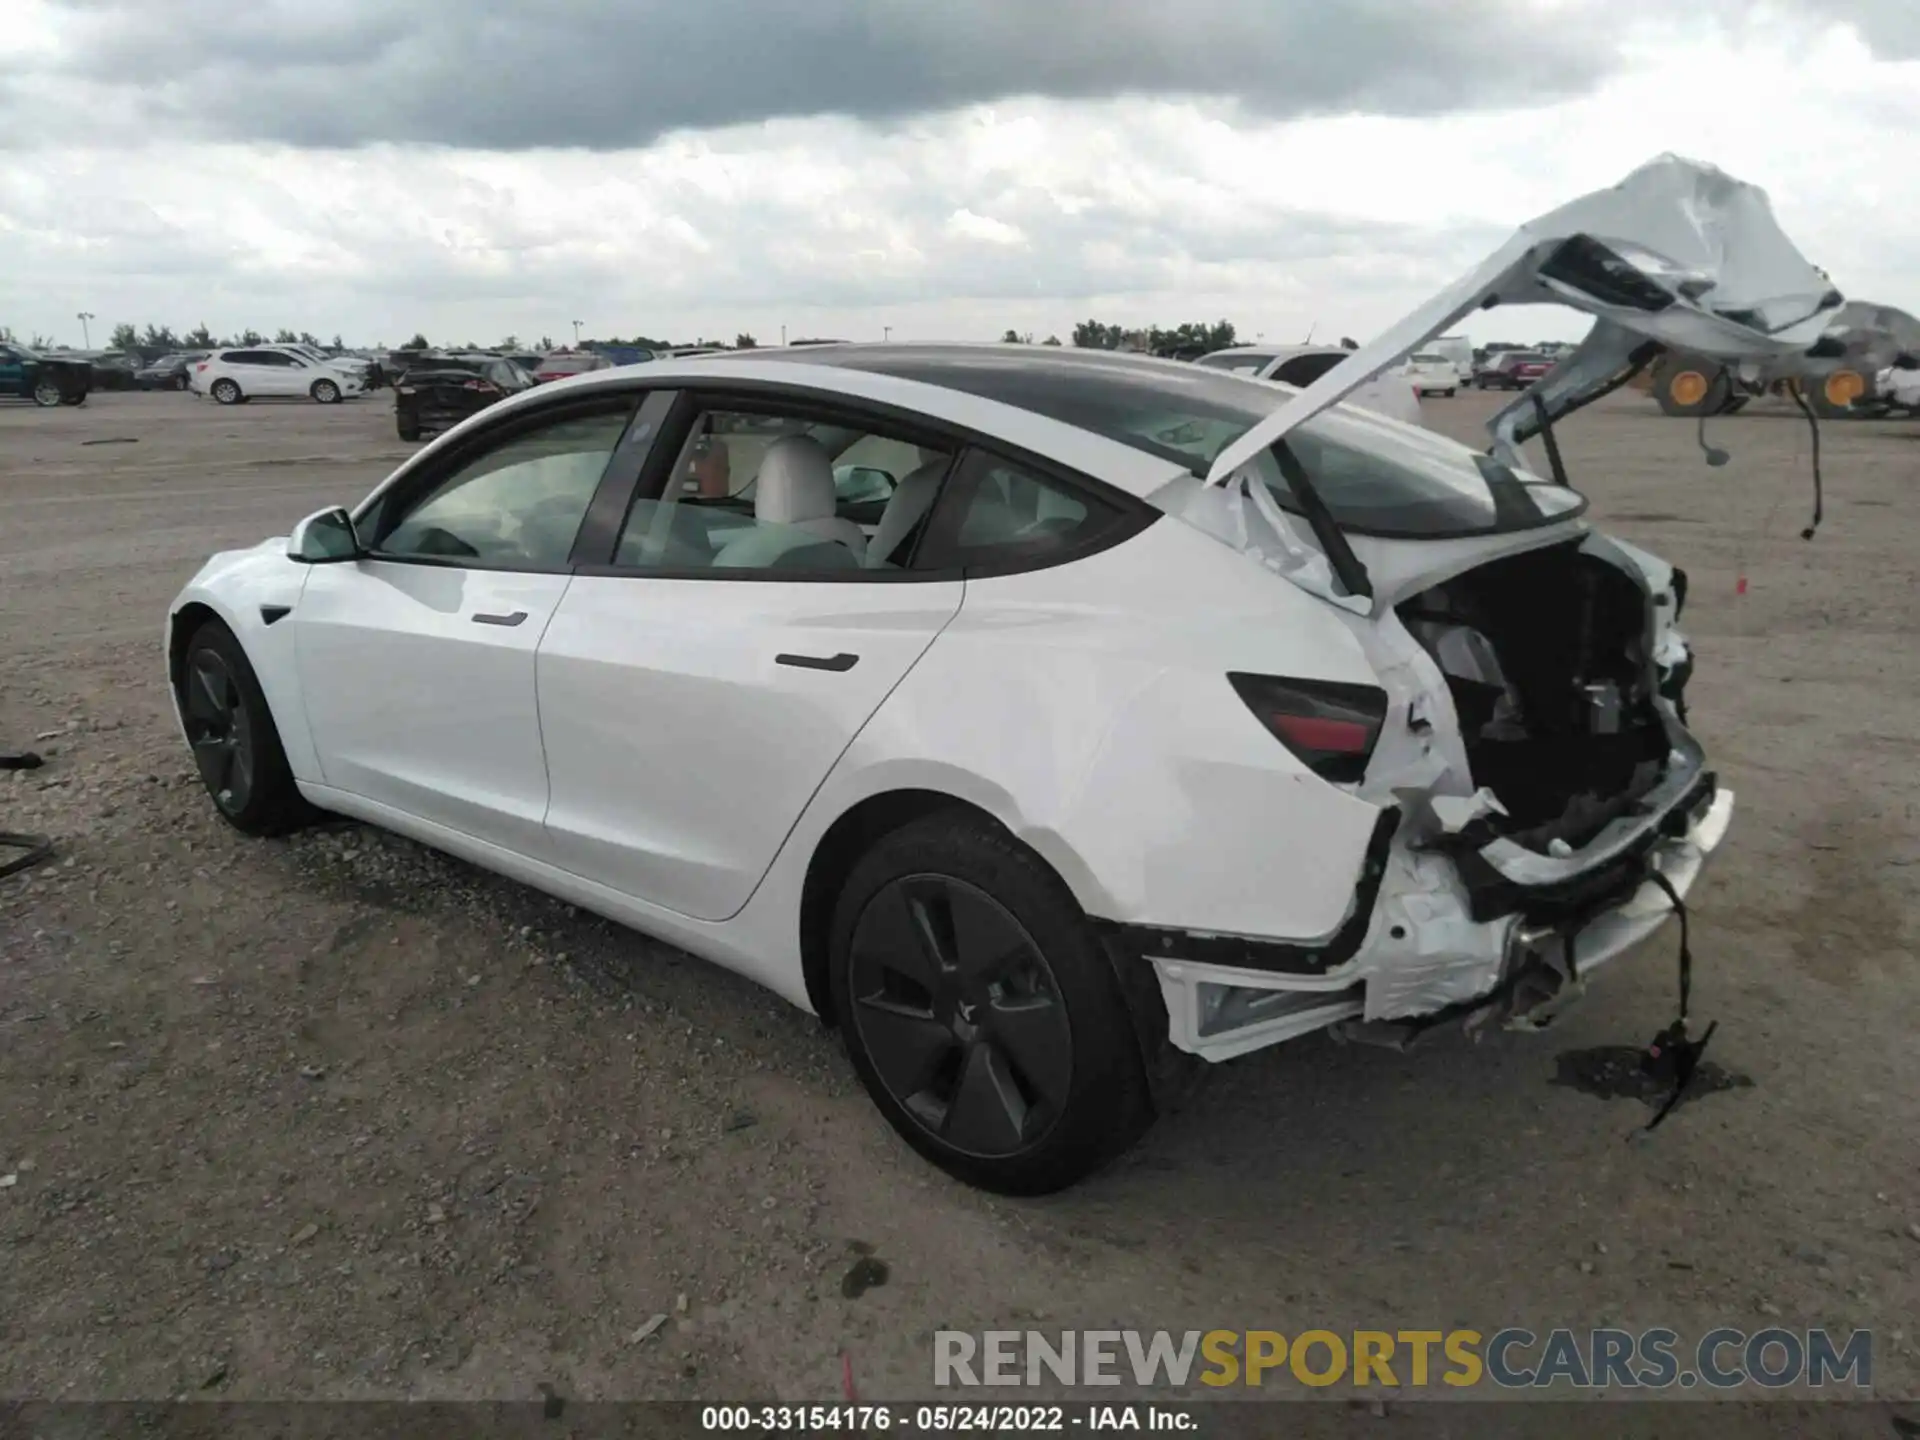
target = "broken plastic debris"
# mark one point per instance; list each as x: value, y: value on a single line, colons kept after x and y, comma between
x: 645, y: 1332
x: 1456, y: 812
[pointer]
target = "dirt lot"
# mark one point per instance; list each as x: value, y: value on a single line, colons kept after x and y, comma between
x: 336, y: 1117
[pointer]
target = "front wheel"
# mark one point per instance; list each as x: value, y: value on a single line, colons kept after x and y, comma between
x: 236, y: 746
x: 981, y: 1011
x: 326, y: 392
x: 226, y: 392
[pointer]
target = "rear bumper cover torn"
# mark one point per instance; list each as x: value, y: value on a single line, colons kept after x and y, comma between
x: 1434, y: 944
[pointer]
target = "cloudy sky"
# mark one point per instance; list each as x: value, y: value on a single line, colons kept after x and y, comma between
x: 474, y: 168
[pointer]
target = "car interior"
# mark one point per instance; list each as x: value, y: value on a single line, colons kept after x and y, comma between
x: 754, y: 492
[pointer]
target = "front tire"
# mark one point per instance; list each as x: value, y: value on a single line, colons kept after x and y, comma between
x: 981, y: 1011
x: 227, y: 392
x: 235, y: 744
x: 325, y: 392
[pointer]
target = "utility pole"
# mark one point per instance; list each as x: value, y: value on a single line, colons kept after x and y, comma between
x: 86, y: 337
x: 576, y: 334
x: 886, y: 332
x: 783, y: 335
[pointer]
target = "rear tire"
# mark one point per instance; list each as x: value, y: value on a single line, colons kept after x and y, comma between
x: 47, y: 394
x: 408, y: 429
x: 981, y: 1011
x: 180, y: 382
x: 235, y: 744
x: 227, y: 392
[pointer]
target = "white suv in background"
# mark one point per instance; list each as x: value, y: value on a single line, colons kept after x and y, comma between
x: 237, y: 375
x: 350, y: 364
x: 1432, y: 374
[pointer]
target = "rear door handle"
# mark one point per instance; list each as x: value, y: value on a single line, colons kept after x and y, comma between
x: 842, y: 661
x: 514, y: 619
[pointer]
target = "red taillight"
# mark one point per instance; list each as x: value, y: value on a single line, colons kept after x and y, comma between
x: 1331, y: 727
x: 201, y: 366
x: 485, y: 387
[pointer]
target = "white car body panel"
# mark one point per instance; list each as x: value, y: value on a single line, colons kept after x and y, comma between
x: 414, y: 703
x: 642, y: 681
x: 1094, y: 696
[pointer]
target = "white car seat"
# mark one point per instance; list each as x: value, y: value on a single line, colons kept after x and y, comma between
x: 911, y: 500
x: 794, y: 503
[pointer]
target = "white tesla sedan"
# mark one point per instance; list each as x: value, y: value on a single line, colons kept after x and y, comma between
x: 1123, y: 715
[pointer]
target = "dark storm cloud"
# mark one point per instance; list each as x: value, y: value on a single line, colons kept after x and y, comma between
x: 604, y: 74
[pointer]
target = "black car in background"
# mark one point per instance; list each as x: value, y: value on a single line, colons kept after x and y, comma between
x: 114, y: 369
x: 437, y: 392
x: 47, y: 380
x: 169, y: 372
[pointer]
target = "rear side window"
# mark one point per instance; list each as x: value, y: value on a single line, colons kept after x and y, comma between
x: 1000, y: 514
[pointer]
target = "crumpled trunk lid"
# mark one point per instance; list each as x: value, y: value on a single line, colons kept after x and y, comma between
x: 1678, y: 254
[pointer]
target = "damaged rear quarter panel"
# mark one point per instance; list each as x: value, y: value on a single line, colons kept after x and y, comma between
x: 1097, y: 694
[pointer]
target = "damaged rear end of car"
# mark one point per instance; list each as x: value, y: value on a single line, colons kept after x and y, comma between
x: 1543, y: 806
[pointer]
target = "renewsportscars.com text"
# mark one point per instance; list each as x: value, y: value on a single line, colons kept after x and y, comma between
x: 1511, y: 1358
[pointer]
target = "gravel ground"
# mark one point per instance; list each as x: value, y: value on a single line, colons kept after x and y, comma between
x: 337, y: 1117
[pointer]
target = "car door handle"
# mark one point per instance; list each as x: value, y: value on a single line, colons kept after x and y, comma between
x: 514, y: 619
x: 842, y: 661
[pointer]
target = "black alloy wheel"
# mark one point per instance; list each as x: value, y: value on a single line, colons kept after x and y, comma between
x: 236, y: 746
x: 960, y: 1015
x: 220, y: 731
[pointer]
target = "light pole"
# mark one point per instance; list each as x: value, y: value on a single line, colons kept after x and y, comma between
x: 886, y: 332
x: 783, y: 335
x: 86, y: 337
x: 576, y: 334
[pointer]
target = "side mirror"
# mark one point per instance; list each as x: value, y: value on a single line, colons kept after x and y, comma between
x: 324, y: 538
